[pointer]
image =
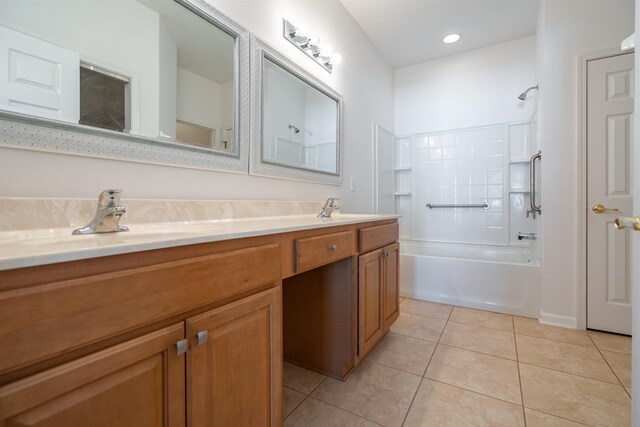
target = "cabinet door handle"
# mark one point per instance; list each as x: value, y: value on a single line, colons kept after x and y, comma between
x: 333, y: 248
x: 385, y: 254
x: 181, y: 346
x: 202, y: 337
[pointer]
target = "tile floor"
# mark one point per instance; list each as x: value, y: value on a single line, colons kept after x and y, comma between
x: 451, y: 366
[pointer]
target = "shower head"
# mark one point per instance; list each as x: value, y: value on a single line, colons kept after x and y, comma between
x: 523, y: 95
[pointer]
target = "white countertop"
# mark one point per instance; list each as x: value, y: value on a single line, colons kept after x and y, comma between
x: 28, y: 248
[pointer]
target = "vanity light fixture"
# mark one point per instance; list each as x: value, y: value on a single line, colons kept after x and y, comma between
x: 322, y: 54
x: 451, y: 38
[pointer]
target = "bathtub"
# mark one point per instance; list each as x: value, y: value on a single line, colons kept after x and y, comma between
x: 495, y: 278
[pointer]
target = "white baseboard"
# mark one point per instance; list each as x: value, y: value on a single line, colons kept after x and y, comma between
x: 557, y: 320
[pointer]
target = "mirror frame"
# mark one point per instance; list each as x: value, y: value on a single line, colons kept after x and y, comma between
x: 257, y: 165
x: 28, y: 132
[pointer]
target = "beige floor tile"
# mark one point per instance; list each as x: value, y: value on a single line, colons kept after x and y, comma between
x: 425, y: 328
x: 373, y: 391
x: 532, y: 328
x: 314, y: 413
x: 442, y: 405
x: 404, y: 353
x: 484, y: 340
x: 574, y: 359
x: 301, y: 379
x: 401, y: 299
x: 426, y: 308
x: 538, y: 419
x: 575, y: 398
x: 628, y: 390
x: 291, y: 400
x: 611, y: 342
x: 486, y: 319
x: 621, y: 365
x: 490, y: 375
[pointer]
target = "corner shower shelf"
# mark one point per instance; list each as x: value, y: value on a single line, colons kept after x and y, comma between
x: 403, y: 193
x: 402, y: 168
x: 512, y: 162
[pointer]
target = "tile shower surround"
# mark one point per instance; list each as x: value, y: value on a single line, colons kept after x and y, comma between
x: 461, y: 167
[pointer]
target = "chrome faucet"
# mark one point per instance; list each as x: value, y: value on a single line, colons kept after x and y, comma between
x: 330, y: 205
x: 107, y: 215
x: 527, y: 236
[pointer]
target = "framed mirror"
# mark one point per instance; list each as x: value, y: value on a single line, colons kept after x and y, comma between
x: 297, y: 121
x: 160, y: 81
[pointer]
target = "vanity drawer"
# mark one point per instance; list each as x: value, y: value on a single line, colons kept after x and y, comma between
x: 312, y: 252
x: 376, y: 237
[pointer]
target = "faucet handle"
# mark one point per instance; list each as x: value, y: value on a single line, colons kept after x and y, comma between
x: 109, y: 198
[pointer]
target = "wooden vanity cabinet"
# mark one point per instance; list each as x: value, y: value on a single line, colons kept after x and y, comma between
x: 378, y: 295
x: 234, y: 366
x: 156, y: 370
x: 140, y: 382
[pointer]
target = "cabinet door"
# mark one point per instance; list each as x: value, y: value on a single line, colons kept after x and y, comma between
x: 370, y: 288
x: 234, y: 374
x: 137, y: 383
x: 391, y: 297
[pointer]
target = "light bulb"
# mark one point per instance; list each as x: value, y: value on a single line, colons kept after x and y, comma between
x: 451, y: 38
x: 336, y: 59
x: 314, y: 39
x: 326, y: 50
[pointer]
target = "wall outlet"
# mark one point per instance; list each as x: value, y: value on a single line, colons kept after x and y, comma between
x: 353, y: 184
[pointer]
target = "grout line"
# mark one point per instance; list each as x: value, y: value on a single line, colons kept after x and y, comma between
x: 608, y: 364
x: 524, y: 414
x: 297, y: 406
x: 479, y: 352
x: 398, y: 369
x: 556, y: 341
x: 474, y: 391
x: 574, y: 375
x: 480, y: 326
x: 345, y: 410
x: 425, y: 369
x: 559, y: 417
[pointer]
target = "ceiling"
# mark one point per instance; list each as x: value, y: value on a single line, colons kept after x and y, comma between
x: 407, y: 32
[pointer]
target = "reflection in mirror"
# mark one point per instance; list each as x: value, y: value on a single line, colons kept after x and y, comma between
x: 143, y: 67
x: 300, y: 122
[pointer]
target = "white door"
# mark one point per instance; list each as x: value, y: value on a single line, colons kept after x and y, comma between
x: 610, y: 91
x: 384, y: 179
x: 38, y: 78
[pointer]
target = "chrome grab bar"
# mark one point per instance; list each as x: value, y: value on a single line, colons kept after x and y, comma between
x: 535, y: 208
x: 484, y: 205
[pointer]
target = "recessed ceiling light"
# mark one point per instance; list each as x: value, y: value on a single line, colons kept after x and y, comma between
x: 451, y: 38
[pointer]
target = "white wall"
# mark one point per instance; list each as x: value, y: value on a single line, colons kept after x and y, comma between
x: 475, y: 88
x: 567, y: 29
x: 364, y: 79
x: 198, y: 100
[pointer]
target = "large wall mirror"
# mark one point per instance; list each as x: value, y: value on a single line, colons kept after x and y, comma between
x: 169, y: 74
x: 298, y: 133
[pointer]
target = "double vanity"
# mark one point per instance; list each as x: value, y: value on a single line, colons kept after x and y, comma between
x: 188, y: 322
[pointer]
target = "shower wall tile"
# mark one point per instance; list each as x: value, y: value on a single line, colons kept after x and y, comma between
x: 461, y: 167
x: 519, y: 142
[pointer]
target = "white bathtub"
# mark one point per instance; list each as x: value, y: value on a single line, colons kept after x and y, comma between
x: 503, y: 279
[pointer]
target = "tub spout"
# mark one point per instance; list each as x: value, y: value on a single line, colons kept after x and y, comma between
x: 527, y: 236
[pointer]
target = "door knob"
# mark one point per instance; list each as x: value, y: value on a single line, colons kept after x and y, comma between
x: 627, y: 223
x: 600, y: 208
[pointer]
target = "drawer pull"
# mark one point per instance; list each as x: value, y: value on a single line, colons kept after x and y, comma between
x: 202, y: 337
x: 181, y: 347
x: 333, y: 248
